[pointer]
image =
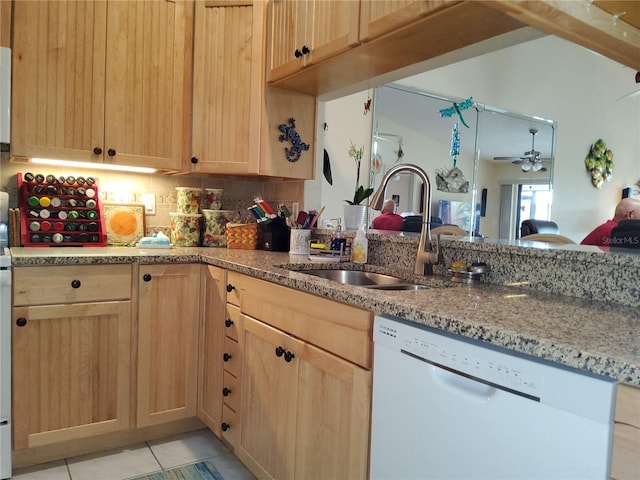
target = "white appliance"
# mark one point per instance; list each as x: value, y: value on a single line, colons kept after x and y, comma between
x: 448, y: 407
x: 5, y: 363
x: 5, y: 94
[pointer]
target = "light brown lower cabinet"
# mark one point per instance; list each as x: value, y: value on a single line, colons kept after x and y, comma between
x: 210, y: 383
x: 626, y: 434
x: 103, y: 356
x: 71, y: 372
x: 305, y: 411
x: 168, y: 322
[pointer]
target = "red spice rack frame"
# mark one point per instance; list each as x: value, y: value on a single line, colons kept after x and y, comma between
x: 60, y: 211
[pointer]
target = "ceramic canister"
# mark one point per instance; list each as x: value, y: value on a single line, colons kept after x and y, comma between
x: 185, y: 229
x: 188, y: 200
x: 212, y: 199
x: 215, y: 223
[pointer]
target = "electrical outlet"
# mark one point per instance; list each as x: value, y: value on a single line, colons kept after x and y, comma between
x: 149, y: 200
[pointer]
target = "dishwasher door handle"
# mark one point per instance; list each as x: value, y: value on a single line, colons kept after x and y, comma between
x: 462, y: 384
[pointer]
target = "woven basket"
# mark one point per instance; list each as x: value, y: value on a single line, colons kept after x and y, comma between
x: 242, y: 235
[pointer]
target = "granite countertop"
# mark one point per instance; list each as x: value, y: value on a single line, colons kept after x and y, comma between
x: 598, y: 337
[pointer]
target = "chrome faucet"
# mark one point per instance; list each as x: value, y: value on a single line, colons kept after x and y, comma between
x: 426, y: 257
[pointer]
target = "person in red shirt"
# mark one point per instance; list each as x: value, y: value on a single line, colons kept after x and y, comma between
x: 599, y: 236
x: 388, y: 220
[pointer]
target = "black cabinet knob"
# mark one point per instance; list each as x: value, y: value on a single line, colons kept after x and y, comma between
x: 97, y: 151
x: 146, y: 277
x: 194, y: 160
x: 75, y: 283
x: 21, y: 322
x: 297, y: 53
x: 305, y: 50
x: 226, y: 391
x: 111, y: 152
x: 230, y: 288
x: 225, y: 426
x: 228, y: 322
x: 288, y: 356
x: 279, y: 351
x: 226, y: 357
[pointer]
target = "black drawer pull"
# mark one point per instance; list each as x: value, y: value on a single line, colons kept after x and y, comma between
x: 230, y: 288
x: 146, y: 277
x: 75, y: 283
x: 288, y: 356
x: 21, y: 322
x: 226, y: 357
x: 228, y: 322
x: 97, y: 151
x: 225, y: 426
x: 226, y: 392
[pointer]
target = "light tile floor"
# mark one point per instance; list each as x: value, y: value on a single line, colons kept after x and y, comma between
x: 143, y: 459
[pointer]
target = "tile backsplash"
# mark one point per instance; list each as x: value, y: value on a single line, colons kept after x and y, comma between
x: 239, y: 192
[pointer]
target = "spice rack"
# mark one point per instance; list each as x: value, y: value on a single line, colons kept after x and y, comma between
x: 60, y: 211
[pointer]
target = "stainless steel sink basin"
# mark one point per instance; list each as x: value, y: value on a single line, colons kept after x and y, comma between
x: 365, y: 279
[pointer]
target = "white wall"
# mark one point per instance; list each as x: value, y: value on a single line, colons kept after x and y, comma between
x: 346, y: 122
x: 577, y: 88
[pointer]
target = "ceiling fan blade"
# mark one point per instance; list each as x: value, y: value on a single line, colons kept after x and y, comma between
x: 508, y: 158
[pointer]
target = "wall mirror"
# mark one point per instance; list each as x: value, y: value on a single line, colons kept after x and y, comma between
x: 498, y: 150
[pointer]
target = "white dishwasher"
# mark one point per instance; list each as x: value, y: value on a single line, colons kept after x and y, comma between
x: 448, y: 407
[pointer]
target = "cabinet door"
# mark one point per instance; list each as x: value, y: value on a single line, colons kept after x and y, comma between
x: 148, y: 82
x: 269, y: 398
x: 335, y: 28
x: 333, y: 417
x: 58, y: 79
x: 169, y: 297
x: 306, y: 32
x: 71, y: 371
x: 383, y: 16
x: 287, y: 34
x: 227, y: 87
x: 212, y: 332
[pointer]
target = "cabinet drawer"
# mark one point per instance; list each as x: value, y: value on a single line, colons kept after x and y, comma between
x: 338, y: 328
x: 232, y: 357
x: 70, y: 284
x: 232, y: 399
x: 234, y: 280
x: 232, y: 321
x: 230, y: 426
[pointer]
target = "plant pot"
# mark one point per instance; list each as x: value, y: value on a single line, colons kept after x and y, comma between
x: 354, y: 215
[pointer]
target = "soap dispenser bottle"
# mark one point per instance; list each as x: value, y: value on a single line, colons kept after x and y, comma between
x: 360, y: 246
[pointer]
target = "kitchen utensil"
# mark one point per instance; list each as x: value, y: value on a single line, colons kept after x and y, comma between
x: 302, y: 217
x: 315, y: 219
x: 326, y: 168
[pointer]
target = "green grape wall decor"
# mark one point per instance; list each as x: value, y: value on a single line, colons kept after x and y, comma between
x: 599, y: 162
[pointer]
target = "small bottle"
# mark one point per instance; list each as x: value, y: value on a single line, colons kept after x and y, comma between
x: 360, y: 246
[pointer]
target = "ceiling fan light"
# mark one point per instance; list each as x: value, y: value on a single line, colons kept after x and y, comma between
x: 536, y: 167
x: 526, y: 166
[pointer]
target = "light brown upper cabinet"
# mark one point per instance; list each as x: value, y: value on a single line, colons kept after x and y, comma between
x: 238, y: 121
x: 383, y: 16
x: 305, y: 32
x: 102, y: 81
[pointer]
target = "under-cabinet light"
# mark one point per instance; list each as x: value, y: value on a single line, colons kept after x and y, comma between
x: 92, y: 166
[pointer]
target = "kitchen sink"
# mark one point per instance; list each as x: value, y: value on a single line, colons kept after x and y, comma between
x: 365, y: 279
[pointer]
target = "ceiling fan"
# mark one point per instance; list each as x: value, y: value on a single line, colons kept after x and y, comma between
x: 531, y: 160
